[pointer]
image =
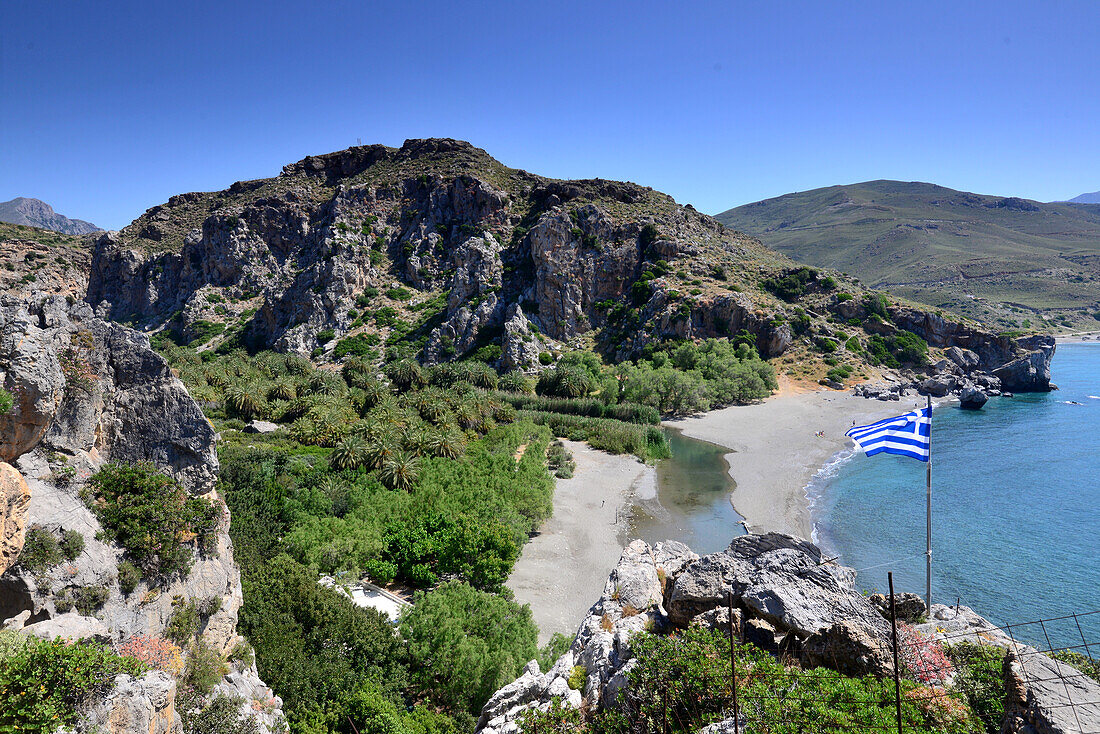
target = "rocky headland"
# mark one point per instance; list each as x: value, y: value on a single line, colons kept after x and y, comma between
x: 788, y: 599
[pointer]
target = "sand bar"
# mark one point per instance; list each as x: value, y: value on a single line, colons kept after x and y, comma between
x: 562, y: 570
x: 775, y: 452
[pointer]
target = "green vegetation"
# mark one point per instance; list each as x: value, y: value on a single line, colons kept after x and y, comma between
x: 792, y: 285
x: 981, y: 681
x: 7, y: 401
x: 204, y: 331
x: 41, y: 551
x: 465, y: 644
x: 1087, y: 665
x: 689, y: 672
x: 71, y: 545
x: 150, y: 515
x: 43, y: 684
x: 904, y: 347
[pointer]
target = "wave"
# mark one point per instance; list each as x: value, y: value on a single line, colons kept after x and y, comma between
x: 819, y: 483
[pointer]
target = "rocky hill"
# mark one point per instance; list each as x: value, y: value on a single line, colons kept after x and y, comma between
x: 438, y: 250
x: 41, y: 260
x: 1006, y: 262
x: 36, y: 213
x: 86, y: 395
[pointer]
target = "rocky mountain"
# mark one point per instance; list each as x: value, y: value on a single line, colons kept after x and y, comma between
x: 88, y: 392
x: 1093, y: 198
x: 37, y: 213
x: 436, y: 249
x: 1004, y: 261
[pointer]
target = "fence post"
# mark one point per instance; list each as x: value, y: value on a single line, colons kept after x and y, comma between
x: 894, y: 644
x: 733, y: 671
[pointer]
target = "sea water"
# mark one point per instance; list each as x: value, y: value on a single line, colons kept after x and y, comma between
x: 1015, y: 508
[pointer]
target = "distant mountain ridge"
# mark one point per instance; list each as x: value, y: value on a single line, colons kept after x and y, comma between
x: 1093, y: 198
x: 1000, y: 260
x: 37, y: 213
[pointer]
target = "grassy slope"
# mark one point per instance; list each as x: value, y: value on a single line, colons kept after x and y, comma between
x: 941, y: 246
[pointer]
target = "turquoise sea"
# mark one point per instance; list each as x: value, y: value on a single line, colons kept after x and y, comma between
x: 1015, y: 508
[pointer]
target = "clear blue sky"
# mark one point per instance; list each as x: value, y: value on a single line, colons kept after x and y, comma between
x: 107, y: 108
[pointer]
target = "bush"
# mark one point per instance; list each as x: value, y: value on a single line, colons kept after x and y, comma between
x: 324, y: 336
x: 219, y: 715
x: 7, y: 400
x: 204, y: 331
x: 41, y: 551
x: 183, y: 625
x: 87, y: 599
x: 72, y: 544
x: 980, y: 680
x: 545, y: 358
x: 149, y: 515
x: 648, y: 443
x: 465, y: 644
x: 791, y: 285
x: 46, y: 683
x: 360, y: 345
x: 128, y: 577
x: 205, y: 667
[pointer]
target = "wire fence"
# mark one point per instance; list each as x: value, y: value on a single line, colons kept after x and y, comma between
x: 922, y: 682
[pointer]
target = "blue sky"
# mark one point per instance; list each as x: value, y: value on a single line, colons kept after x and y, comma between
x: 107, y: 109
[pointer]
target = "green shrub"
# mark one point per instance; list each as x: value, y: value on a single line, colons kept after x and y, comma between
x: 578, y: 676
x: 204, y: 331
x: 980, y: 680
x: 648, y: 443
x: 183, y: 625
x: 41, y: 551
x: 791, y: 285
x: 465, y: 643
x: 218, y: 715
x: 324, y: 336
x: 46, y: 683
x: 149, y: 515
x: 7, y: 401
x: 545, y: 358
x: 87, y: 599
x: 72, y: 544
x: 359, y: 345
x: 205, y: 667
x: 128, y: 577
x: 399, y: 293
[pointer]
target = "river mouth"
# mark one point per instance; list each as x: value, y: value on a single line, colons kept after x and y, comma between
x: 691, y: 500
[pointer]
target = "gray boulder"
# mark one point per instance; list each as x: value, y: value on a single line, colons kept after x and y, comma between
x: 938, y: 385
x: 972, y: 398
x: 520, y: 347
x: 909, y: 606
x: 258, y: 426
x: 964, y: 358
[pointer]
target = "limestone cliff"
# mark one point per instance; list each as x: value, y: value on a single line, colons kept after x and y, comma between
x: 87, y: 392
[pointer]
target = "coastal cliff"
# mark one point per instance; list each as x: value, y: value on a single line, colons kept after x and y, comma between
x: 88, y: 394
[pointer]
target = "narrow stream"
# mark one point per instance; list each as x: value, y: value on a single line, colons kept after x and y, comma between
x: 692, y: 502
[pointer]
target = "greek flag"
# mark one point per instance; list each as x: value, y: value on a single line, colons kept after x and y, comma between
x: 908, y: 435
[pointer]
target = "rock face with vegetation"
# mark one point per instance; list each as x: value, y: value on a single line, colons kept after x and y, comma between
x: 782, y: 594
x: 124, y: 539
x: 299, y: 261
x: 436, y: 250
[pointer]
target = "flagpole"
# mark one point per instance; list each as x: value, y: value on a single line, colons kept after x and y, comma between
x: 928, y: 554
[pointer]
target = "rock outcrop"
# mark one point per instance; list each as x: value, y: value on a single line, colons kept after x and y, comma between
x: 89, y: 392
x: 15, y: 496
x: 778, y: 585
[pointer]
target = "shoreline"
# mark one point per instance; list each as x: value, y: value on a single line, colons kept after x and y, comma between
x: 775, y: 454
x: 565, y: 566
x: 1080, y: 337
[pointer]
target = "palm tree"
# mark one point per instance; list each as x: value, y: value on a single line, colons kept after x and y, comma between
x: 447, y: 443
x: 350, y: 453
x: 379, y: 452
x: 244, y: 400
x: 283, y: 389
x: 405, y: 374
x: 400, y: 471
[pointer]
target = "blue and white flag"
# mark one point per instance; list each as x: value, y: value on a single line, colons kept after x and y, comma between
x: 908, y: 435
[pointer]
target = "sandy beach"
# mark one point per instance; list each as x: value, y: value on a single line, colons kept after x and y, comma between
x: 562, y: 571
x: 775, y: 452
x: 1080, y: 337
